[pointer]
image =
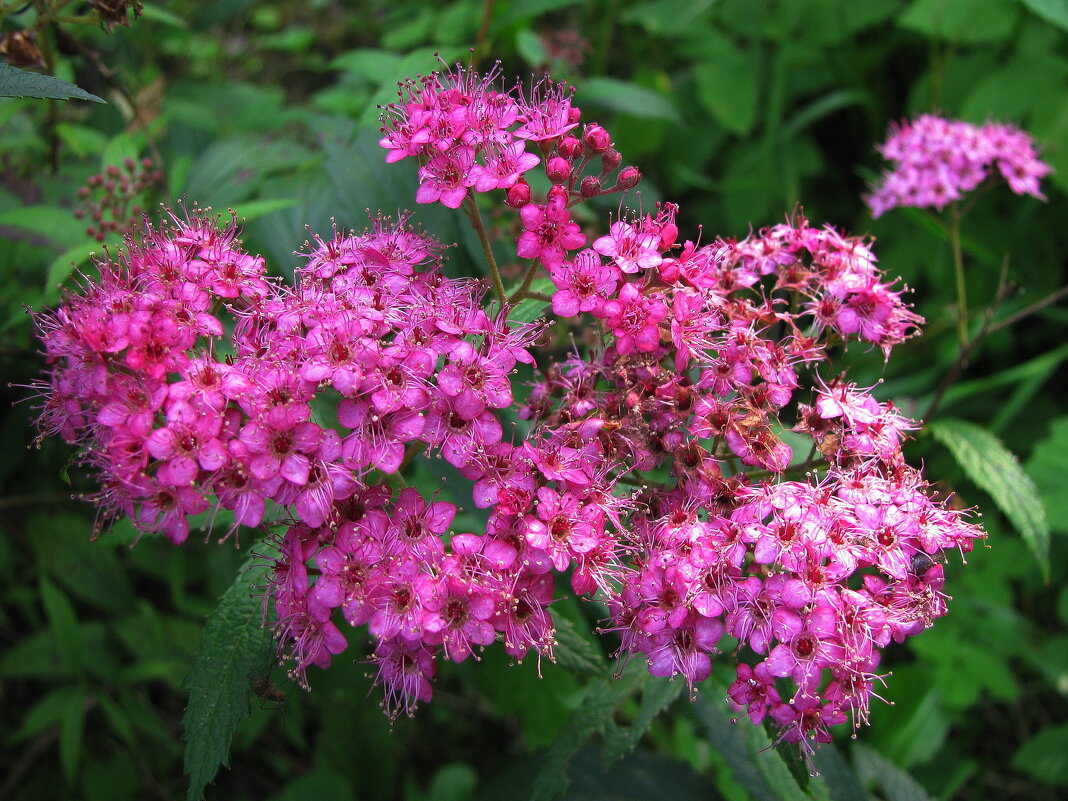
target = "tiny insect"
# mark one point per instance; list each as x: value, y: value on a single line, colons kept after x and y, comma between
x: 922, y: 562
x: 268, y: 693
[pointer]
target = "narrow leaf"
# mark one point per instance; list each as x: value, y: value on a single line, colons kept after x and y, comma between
x: 995, y: 469
x: 71, y: 734
x: 19, y: 83
x: 234, y: 646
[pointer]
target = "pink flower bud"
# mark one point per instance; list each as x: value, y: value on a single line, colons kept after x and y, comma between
x: 596, y: 139
x: 628, y: 177
x: 610, y: 161
x: 570, y: 148
x: 558, y: 170
x: 590, y: 186
x: 558, y: 194
x: 518, y: 194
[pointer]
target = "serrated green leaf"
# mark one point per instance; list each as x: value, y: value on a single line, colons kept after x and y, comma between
x: 19, y: 83
x: 895, y: 784
x: 627, y: 98
x: 1048, y: 466
x: 573, y: 651
x: 594, y: 715
x: 995, y: 469
x: 234, y: 646
x: 1054, y: 11
x: 657, y: 696
x: 755, y: 765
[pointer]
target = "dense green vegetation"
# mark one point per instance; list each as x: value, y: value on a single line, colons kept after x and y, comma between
x: 742, y: 113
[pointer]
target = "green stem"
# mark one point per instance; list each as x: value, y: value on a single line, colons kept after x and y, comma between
x: 528, y: 279
x: 473, y: 214
x: 958, y: 267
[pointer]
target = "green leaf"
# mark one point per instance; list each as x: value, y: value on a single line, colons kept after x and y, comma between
x: 820, y: 108
x: 48, y: 712
x: 72, y: 734
x: 657, y: 696
x: 574, y: 651
x: 530, y: 309
x: 55, y: 225
x: 593, y: 716
x: 67, y: 262
x: 728, y: 84
x: 1054, y: 11
x: 972, y: 22
x: 19, y: 83
x: 235, y: 645
x: 1048, y: 466
x: 154, y: 13
x: 755, y: 765
x: 64, y: 622
x: 896, y: 785
x: 261, y: 208
x: 667, y: 17
x: 627, y: 98
x: 995, y: 469
x: 1042, y: 756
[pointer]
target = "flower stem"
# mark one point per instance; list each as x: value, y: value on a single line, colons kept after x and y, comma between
x: 958, y: 267
x: 473, y: 214
x: 528, y: 279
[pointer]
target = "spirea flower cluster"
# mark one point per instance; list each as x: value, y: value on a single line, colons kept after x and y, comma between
x: 937, y: 161
x: 654, y: 475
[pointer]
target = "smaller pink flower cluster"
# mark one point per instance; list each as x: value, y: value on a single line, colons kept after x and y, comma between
x: 936, y: 161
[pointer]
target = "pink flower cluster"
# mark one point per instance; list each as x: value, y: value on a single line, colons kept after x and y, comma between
x: 656, y: 473
x: 937, y: 161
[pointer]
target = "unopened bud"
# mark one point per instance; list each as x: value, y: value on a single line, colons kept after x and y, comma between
x: 610, y: 161
x: 518, y: 194
x: 590, y: 186
x: 570, y: 148
x: 113, y: 170
x: 596, y: 139
x: 557, y: 194
x: 558, y: 170
x: 628, y: 177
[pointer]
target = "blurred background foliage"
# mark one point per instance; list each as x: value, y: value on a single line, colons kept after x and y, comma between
x: 742, y: 111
